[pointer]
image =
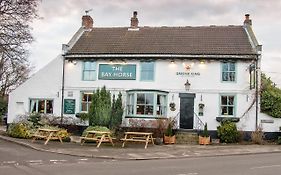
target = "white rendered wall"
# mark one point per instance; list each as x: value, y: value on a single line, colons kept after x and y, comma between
x: 45, y: 84
x: 207, y: 86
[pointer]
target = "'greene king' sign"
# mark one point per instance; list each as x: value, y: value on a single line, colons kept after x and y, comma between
x: 117, y: 72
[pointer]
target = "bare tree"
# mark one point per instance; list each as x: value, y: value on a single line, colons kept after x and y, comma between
x: 15, y: 36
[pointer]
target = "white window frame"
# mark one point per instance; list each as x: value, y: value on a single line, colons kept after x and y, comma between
x: 131, y: 104
x: 90, y: 71
x: 228, y: 72
x: 228, y: 105
x: 88, y: 104
x: 36, y: 100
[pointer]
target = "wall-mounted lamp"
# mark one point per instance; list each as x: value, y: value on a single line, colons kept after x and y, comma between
x: 124, y: 62
x: 110, y: 62
x: 72, y: 61
x: 187, y: 85
x: 202, y: 61
x: 172, y: 61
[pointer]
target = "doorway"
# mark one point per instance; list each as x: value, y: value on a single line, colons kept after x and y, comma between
x: 186, y: 110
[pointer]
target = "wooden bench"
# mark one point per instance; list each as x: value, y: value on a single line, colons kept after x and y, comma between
x: 48, y: 134
x: 145, y: 137
x: 98, y: 136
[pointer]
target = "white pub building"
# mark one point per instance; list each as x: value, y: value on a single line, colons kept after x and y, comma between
x: 196, y: 74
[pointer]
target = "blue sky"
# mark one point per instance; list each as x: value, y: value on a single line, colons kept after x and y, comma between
x: 60, y: 19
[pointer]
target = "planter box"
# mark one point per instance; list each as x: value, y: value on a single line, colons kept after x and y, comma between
x: 204, y: 140
x: 170, y: 139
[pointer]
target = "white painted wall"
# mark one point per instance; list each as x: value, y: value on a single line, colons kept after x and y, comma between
x: 207, y: 86
x: 46, y: 83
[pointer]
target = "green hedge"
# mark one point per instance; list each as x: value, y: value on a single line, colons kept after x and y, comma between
x: 270, y: 98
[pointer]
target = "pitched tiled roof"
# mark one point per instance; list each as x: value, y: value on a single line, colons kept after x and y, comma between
x: 221, y: 40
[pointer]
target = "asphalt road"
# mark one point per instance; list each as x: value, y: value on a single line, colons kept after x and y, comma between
x: 18, y: 160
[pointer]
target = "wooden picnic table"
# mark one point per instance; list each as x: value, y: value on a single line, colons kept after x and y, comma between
x: 48, y: 134
x: 98, y: 136
x: 138, y: 137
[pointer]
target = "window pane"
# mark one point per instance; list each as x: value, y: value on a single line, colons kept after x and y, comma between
x: 49, y: 106
x: 149, y: 110
x: 149, y: 98
x: 231, y: 76
x: 230, y: 100
x: 89, y: 96
x: 231, y: 66
x: 224, y: 67
x: 224, y: 76
x: 86, y: 65
x: 140, y: 109
x: 147, y: 71
x: 33, y: 104
x: 41, y: 106
x: 84, y: 97
x: 84, y: 107
x: 89, y: 71
x: 228, y: 72
x: 230, y: 110
x: 140, y: 99
x: 224, y: 100
x: 130, y: 109
x: 223, y: 110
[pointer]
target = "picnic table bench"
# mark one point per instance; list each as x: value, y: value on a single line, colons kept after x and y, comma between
x: 48, y: 134
x: 145, y: 137
x: 98, y: 136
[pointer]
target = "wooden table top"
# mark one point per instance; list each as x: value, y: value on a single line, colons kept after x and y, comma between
x: 99, y: 132
x: 139, y: 133
x: 48, y: 130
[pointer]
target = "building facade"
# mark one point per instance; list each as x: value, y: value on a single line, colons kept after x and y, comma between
x: 196, y: 74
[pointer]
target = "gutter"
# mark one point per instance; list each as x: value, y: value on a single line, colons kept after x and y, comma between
x: 168, y: 56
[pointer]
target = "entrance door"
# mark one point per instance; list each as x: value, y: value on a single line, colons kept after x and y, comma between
x: 186, y: 110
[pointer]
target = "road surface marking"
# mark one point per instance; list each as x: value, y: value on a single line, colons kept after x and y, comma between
x: 83, y: 159
x: 34, y: 161
x: 58, y: 160
x: 9, y: 162
x: 268, y: 166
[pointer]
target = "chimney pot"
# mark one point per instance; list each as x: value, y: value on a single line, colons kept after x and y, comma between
x: 247, y: 20
x: 134, y: 20
x: 87, y: 22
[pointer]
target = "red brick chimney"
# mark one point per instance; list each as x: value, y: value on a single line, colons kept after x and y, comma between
x: 134, y: 20
x: 247, y: 20
x: 87, y: 22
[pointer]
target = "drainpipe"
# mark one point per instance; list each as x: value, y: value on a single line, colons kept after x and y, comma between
x: 257, y: 93
x: 258, y: 57
x: 62, y: 90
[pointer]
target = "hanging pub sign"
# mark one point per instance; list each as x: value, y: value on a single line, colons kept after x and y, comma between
x: 117, y: 72
x: 69, y: 106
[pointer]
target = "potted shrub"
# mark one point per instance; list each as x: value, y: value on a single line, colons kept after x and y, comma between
x: 204, y: 138
x: 159, y: 131
x: 169, y: 136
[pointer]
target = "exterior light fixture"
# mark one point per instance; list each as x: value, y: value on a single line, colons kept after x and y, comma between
x: 110, y: 62
x: 187, y: 85
x: 124, y: 62
x: 172, y: 61
x: 72, y: 61
x: 202, y: 61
